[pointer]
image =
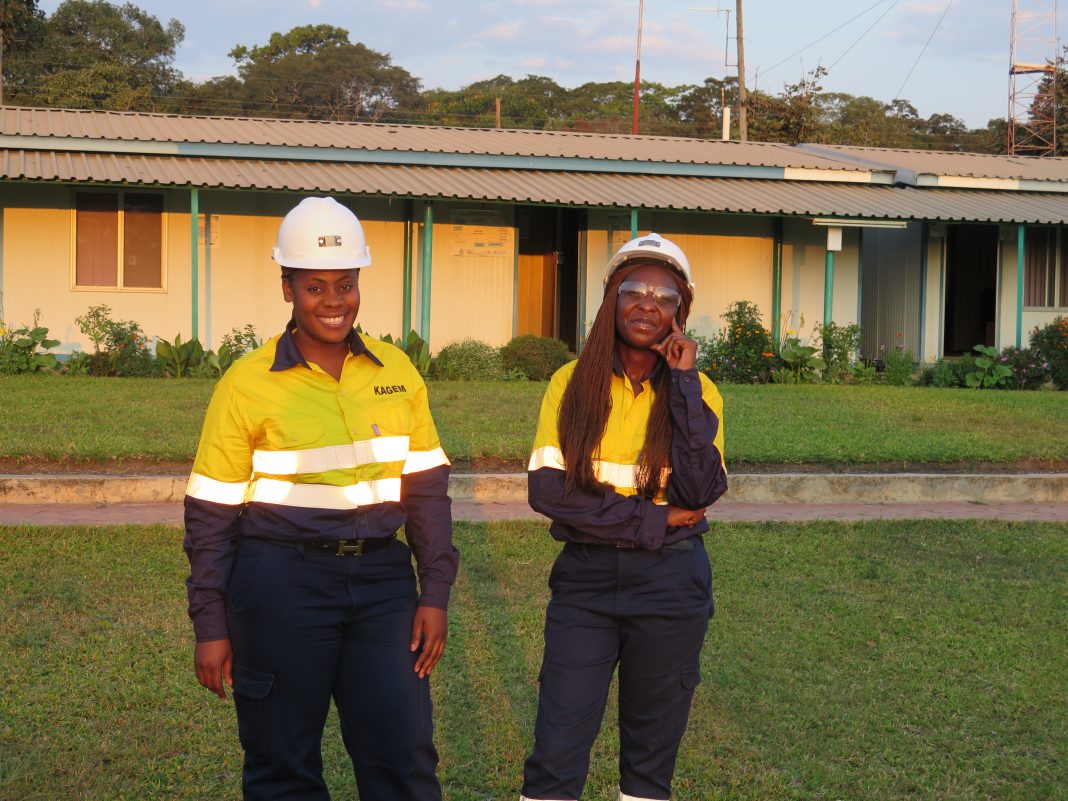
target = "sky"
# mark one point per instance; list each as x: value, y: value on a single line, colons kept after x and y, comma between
x: 944, y: 56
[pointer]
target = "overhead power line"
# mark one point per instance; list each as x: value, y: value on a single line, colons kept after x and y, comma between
x: 817, y: 41
x: 897, y: 95
x: 866, y: 32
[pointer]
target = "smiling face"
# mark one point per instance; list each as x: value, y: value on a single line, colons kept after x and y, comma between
x: 642, y: 323
x: 325, y: 304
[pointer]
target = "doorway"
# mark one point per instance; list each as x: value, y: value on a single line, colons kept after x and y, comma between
x: 971, y: 287
x: 548, y: 269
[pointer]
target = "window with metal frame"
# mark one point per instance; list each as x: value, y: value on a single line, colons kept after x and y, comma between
x: 1045, y: 269
x: 119, y: 240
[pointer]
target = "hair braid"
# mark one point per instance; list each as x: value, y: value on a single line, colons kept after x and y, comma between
x: 587, y: 401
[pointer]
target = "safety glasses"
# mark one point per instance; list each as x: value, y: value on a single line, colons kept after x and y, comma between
x: 636, y: 291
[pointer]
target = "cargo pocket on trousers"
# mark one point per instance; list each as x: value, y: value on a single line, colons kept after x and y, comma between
x: 690, y: 680
x: 257, y: 710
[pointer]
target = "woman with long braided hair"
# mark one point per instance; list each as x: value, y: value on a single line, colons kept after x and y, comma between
x: 627, y: 457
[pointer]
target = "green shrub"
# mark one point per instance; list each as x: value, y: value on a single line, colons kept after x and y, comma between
x: 121, y: 346
x: 801, y: 363
x: 1051, y: 343
x: 839, y: 344
x: 898, y: 365
x: 240, y: 341
x: 95, y: 324
x: 535, y: 357
x: 1029, y: 371
x: 989, y: 372
x: 861, y: 373
x: 415, y: 348
x: 942, y: 374
x: 468, y: 360
x: 125, y: 353
x: 178, y: 358
x: 77, y: 364
x: 741, y: 352
x: 23, y: 350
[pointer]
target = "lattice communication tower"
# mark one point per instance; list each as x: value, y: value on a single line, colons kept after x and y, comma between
x: 1032, y: 128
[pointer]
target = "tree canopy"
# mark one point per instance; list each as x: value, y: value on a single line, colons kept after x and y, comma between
x: 92, y: 54
x: 95, y: 54
x: 315, y: 72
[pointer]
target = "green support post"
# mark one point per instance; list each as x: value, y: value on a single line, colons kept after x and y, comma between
x: 633, y: 223
x: 425, y: 272
x: 194, y: 226
x: 828, y: 289
x: 1019, y: 284
x: 776, y: 286
x: 406, y: 303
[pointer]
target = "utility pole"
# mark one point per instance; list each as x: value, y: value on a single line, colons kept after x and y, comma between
x: 638, y: 67
x: 743, y: 98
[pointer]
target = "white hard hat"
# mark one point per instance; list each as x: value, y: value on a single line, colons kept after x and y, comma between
x: 321, y: 234
x: 651, y: 247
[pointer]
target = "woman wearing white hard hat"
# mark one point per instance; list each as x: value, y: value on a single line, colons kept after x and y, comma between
x: 317, y: 447
x: 627, y: 457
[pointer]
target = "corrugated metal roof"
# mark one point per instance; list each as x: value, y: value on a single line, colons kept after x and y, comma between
x: 557, y: 188
x: 937, y: 162
x: 136, y: 127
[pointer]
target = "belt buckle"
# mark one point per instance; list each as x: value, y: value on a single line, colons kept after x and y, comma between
x: 354, y: 547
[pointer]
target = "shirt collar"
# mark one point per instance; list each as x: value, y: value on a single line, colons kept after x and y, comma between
x: 617, y: 367
x: 287, y: 354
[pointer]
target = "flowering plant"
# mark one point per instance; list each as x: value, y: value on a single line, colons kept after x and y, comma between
x: 1051, y: 343
x: 741, y: 352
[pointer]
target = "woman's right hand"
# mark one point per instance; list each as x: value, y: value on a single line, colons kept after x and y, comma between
x: 214, y: 663
x: 677, y: 516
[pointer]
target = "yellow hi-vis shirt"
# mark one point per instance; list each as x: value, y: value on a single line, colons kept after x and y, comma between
x: 620, y: 516
x: 299, y: 438
x: 287, y: 452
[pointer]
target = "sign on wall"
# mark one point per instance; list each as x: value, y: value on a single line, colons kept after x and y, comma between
x: 480, y: 232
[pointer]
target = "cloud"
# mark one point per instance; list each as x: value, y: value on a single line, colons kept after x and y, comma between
x: 503, y: 31
x: 314, y: 3
x: 535, y: 63
x: 405, y: 5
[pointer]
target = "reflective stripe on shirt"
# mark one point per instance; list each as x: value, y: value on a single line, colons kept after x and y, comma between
x: 620, y: 476
x: 418, y: 461
x: 208, y: 489
x: 330, y: 457
x: 324, y: 496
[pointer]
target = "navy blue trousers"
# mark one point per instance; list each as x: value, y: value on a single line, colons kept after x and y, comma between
x: 308, y: 625
x: 646, y: 611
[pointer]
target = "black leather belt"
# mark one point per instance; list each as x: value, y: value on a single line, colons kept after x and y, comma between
x: 338, y: 547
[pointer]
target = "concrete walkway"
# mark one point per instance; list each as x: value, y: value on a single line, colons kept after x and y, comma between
x: 114, y: 514
x: 116, y: 500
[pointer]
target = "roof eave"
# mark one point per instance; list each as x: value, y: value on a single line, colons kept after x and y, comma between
x: 440, y: 159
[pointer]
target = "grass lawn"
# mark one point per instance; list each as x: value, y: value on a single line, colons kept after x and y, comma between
x: 895, y: 660
x: 101, y: 419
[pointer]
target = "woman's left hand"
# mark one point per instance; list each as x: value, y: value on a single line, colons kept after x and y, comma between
x: 429, y: 629
x: 677, y: 349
